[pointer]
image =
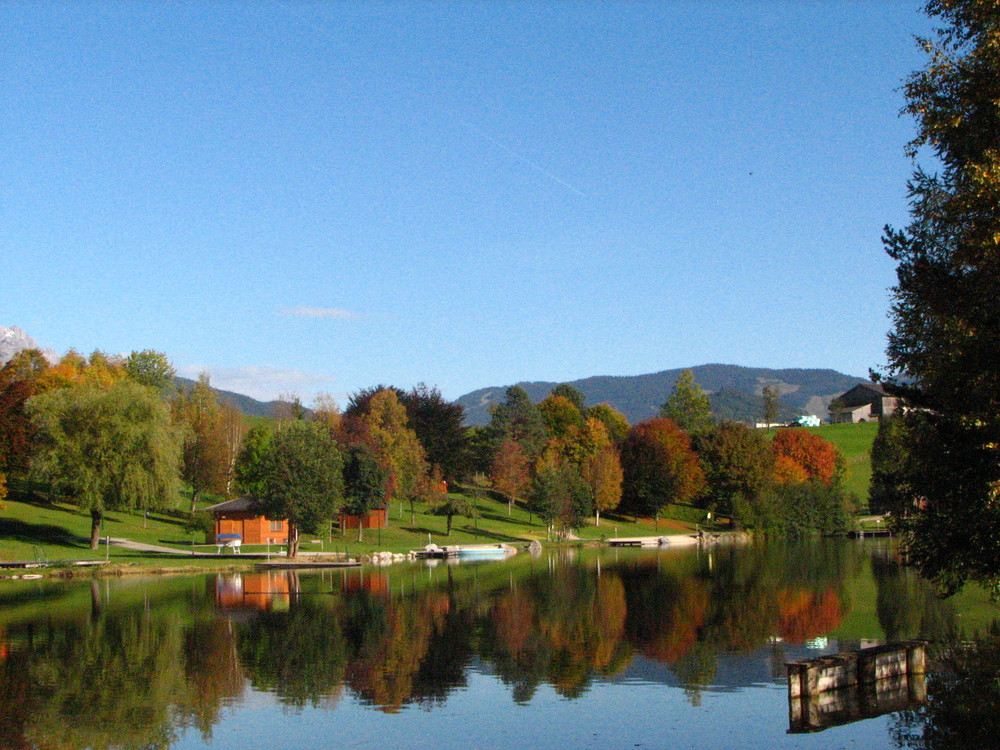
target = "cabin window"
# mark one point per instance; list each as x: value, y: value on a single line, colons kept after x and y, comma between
x: 275, y: 525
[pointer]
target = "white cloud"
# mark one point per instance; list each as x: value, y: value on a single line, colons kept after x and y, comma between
x: 262, y: 383
x: 327, y: 313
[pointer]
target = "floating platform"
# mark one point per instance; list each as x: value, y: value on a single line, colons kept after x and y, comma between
x: 433, y: 552
x: 864, y: 533
x: 847, y: 687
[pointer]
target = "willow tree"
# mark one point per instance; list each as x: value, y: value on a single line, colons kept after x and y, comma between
x: 942, y: 351
x: 107, y: 448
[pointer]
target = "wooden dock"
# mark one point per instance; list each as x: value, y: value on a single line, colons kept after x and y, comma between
x: 843, y: 688
x: 673, y: 540
x: 304, y: 564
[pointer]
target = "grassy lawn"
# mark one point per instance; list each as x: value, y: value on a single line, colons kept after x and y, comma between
x: 855, y: 442
x: 59, y: 531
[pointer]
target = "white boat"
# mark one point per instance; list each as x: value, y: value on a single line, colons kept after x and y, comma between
x: 484, y: 551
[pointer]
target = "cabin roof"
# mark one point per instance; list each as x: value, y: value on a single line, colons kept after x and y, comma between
x: 235, y: 505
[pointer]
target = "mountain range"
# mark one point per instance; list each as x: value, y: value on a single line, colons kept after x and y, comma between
x: 734, y: 392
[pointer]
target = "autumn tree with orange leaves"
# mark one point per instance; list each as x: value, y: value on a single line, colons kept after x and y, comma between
x: 659, y: 467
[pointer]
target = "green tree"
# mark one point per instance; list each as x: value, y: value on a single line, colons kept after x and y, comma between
x: 151, y: 368
x: 560, y: 495
x: 438, y: 426
x: 890, y: 491
x: 451, y: 504
x: 365, y: 481
x: 519, y: 419
x: 303, y: 479
x: 559, y: 414
x: 943, y: 346
x: 738, y: 462
x: 111, y: 448
x: 687, y: 405
x: 251, y: 460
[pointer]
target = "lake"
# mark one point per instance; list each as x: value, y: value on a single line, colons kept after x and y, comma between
x: 609, y: 649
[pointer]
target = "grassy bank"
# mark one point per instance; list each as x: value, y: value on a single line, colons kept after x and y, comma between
x: 60, y: 532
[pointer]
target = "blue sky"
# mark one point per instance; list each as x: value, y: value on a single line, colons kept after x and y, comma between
x: 306, y: 196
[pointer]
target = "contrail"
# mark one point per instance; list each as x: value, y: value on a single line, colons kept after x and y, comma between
x: 522, y: 159
x: 486, y: 136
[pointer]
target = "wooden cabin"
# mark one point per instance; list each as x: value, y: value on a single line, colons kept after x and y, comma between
x: 238, y: 517
x: 377, y: 518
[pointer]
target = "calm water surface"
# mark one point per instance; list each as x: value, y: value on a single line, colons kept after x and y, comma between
x: 610, y: 650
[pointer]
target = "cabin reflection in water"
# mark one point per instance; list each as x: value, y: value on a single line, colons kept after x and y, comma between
x: 272, y: 590
x: 842, y: 688
x: 266, y: 591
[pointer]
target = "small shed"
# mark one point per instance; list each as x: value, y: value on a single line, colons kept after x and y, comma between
x: 378, y: 518
x: 239, y: 517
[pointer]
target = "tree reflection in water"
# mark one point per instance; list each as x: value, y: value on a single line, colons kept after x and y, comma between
x: 121, y: 673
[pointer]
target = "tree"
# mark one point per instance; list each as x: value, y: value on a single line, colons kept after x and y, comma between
x: 20, y: 379
x: 687, y: 405
x: 511, y: 472
x: 603, y: 475
x: 206, y: 460
x: 111, y: 448
x: 946, y: 322
x: 738, y: 463
x: 572, y: 395
x: 799, y: 452
x: 519, y: 419
x: 613, y: 420
x: 326, y: 412
x: 395, y: 444
x: 365, y: 481
x: 303, y: 479
x: 559, y: 414
x: 438, y: 426
x: 770, y: 404
x: 560, y: 495
x: 659, y: 467
x: 451, y: 504
x: 250, y: 467
x: 890, y: 491
x: 150, y: 368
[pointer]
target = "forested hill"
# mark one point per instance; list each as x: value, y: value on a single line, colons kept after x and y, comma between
x: 734, y: 392
x: 249, y: 406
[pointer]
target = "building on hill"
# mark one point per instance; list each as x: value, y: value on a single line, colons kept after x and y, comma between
x: 865, y: 402
x: 239, y: 517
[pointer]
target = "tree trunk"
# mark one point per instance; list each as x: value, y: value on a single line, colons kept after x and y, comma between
x: 597, y: 518
x: 194, y: 499
x: 95, y: 527
x: 293, y: 540
x: 360, y: 526
x: 510, y: 505
x: 449, y: 525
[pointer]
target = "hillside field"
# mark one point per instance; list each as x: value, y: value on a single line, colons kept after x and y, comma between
x: 855, y: 442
